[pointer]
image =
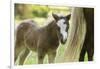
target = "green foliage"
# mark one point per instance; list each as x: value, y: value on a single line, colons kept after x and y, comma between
x: 40, y: 11
x: 25, y: 11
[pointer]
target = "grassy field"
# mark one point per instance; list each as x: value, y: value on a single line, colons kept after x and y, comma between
x: 32, y: 57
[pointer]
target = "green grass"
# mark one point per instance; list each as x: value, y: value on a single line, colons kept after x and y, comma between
x: 86, y: 57
x: 32, y: 58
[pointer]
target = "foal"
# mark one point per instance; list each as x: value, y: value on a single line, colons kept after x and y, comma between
x: 44, y: 40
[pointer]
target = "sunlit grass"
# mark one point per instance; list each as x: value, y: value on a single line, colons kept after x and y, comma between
x: 86, y: 57
x: 32, y: 58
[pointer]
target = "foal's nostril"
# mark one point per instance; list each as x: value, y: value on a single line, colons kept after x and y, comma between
x: 60, y: 35
x: 63, y: 40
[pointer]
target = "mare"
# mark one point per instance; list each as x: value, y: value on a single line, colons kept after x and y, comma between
x: 88, y: 45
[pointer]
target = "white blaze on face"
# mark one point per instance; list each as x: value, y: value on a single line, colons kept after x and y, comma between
x: 63, y: 27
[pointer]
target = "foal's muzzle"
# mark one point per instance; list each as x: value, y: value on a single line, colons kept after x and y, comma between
x: 62, y: 40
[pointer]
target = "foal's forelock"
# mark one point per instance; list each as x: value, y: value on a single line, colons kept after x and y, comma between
x: 62, y: 25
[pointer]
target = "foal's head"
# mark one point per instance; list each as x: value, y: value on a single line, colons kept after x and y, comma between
x: 62, y: 23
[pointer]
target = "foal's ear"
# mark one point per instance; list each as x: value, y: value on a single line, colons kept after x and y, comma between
x: 68, y: 16
x: 55, y: 16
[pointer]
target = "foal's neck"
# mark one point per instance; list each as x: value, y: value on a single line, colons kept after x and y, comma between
x: 51, y: 29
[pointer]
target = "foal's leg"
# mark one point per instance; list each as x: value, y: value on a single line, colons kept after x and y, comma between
x: 17, y: 50
x: 41, y: 54
x: 82, y: 54
x: 23, y: 56
x: 51, y: 56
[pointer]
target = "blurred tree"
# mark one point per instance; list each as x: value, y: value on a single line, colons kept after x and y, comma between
x: 40, y: 11
x: 23, y: 11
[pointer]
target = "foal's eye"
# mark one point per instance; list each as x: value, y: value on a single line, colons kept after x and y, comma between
x: 64, y: 22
